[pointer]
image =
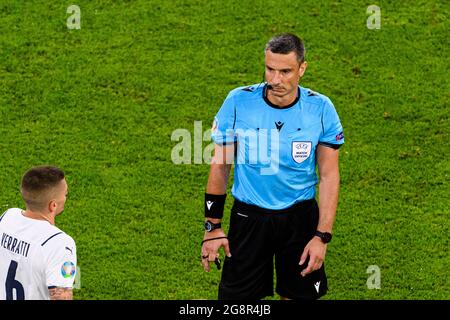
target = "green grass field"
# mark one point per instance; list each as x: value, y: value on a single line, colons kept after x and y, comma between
x: 102, y: 102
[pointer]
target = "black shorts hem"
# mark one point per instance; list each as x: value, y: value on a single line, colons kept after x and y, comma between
x: 233, y: 296
x: 284, y: 294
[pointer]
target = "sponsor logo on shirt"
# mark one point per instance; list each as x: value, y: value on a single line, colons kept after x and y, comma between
x: 340, y: 136
x: 279, y: 125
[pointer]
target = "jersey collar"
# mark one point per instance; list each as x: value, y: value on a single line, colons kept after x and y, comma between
x: 277, y: 106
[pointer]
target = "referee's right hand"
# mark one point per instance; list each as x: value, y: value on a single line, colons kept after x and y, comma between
x: 210, y: 249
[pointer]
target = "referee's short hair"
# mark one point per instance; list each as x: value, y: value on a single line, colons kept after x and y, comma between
x: 285, y: 43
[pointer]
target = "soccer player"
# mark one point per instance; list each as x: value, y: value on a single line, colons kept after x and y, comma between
x: 37, y: 260
x: 275, y: 133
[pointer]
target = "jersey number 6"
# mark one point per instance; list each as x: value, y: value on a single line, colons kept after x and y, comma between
x: 12, y: 283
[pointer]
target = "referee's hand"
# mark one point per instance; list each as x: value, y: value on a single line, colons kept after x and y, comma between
x: 210, y: 249
x: 315, y: 250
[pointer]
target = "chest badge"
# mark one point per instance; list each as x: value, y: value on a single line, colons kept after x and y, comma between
x: 301, y: 150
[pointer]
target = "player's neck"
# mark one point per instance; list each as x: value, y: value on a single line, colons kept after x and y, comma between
x: 284, y: 100
x: 39, y: 216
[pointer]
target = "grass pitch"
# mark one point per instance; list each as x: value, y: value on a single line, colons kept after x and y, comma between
x: 102, y: 102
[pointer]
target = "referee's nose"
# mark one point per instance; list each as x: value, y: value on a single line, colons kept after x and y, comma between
x: 276, y: 80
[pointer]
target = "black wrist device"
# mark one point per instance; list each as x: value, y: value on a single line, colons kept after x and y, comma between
x: 324, y: 236
x: 209, y: 226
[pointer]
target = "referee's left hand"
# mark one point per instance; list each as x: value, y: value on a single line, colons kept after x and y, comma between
x: 210, y: 249
x: 316, y: 251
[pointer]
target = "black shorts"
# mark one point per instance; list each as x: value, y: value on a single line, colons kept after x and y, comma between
x: 256, y: 235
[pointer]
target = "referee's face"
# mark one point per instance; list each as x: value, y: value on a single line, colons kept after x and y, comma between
x: 283, y: 73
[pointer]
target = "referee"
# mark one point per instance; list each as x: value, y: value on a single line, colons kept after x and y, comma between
x: 275, y: 133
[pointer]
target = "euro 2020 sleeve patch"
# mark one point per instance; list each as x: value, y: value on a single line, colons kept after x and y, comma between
x: 68, y: 270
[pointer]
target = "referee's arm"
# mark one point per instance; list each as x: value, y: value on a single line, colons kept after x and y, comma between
x: 217, y: 184
x: 220, y: 169
x: 328, y: 164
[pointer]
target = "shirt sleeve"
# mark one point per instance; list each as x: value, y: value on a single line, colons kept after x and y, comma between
x: 61, y: 263
x: 224, y: 122
x: 332, y: 132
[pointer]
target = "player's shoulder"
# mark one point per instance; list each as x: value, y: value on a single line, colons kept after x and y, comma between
x: 246, y: 92
x: 58, y: 243
x: 10, y: 215
x: 10, y: 211
x: 55, y: 236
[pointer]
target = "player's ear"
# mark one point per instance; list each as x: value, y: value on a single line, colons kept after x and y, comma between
x: 52, y: 205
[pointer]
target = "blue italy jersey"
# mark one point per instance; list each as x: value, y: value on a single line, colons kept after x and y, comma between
x: 275, y: 164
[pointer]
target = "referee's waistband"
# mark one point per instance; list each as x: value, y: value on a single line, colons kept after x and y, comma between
x: 252, y: 208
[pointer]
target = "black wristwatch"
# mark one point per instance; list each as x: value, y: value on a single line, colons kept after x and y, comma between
x: 209, y: 226
x: 324, y: 236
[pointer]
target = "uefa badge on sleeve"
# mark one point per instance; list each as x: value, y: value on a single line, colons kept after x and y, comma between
x: 68, y: 270
x: 301, y: 150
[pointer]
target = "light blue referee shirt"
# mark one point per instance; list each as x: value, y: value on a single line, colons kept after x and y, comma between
x: 275, y: 165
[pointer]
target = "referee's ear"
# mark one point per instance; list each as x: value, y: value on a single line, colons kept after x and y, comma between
x: 302, y: 68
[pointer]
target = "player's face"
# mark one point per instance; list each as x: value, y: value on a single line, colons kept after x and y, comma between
x: 283, y: 73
